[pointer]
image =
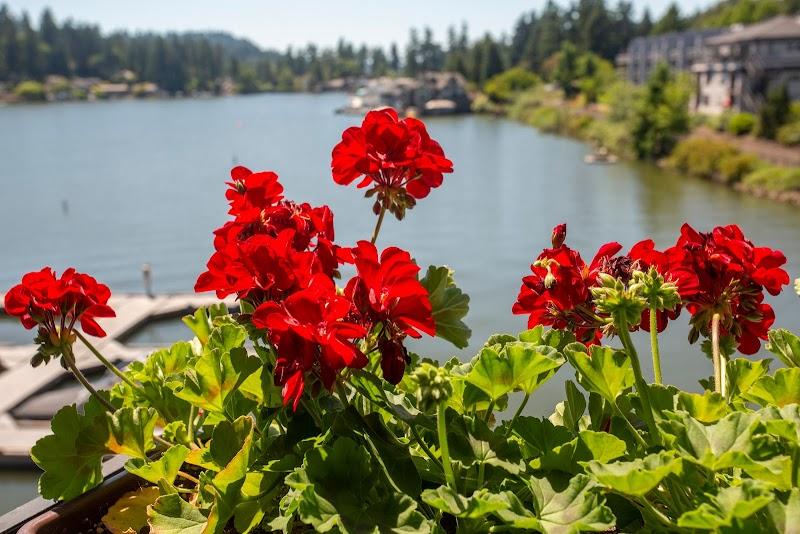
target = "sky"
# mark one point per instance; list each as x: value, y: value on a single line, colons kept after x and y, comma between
x: 277, y: 24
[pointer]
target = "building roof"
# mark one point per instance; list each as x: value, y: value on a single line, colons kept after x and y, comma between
x: 783, y: 27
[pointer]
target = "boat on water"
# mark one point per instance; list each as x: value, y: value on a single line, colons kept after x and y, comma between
x: 600, y: 155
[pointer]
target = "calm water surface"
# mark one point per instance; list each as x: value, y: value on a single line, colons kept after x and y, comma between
x: 144, y: 182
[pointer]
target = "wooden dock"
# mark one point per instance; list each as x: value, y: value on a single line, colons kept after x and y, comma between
x: 20, y: 382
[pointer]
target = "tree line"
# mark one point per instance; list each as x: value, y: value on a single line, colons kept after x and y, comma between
x: 196, y: 61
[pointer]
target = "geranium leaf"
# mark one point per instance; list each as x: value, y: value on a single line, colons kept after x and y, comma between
x: 588, y: 445
x: 605, y: 371
x: 449, y: 306
x: 228, y: 482
x: 71, y: 457
x: 217, y: 373
x: 712, y: 446
x: 480, y: 504
x: 492, y: 373
x: 783, y: 422
x: 706, y: 408
x: 727, y: 507
x: 786, y: 346
x: 777, y: 471
x: 780, y: 389
x: 540, y: 435
x: 784, y: 514
x: 172, y: 515
x: 166, y: 467
x: 576, y: 508
x: 743, y: 373
x: 558, y: 339
x: 131, y: 431
x: 638, y: 476
x: 532, y: 365
x: 129, y: 513
x: 572, y: 408
x: 201, y: 322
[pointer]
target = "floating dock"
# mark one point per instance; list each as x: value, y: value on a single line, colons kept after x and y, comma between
x: 30, y: 395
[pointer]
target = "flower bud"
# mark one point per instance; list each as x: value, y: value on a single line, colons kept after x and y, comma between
x: 612, y: 297
x: 549, y: 280
x: 797, y: 286
x: 658, y: 293
x: 433, y: 386
x: 559, y: 235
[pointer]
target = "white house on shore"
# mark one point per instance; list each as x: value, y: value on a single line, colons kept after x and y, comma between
x: 734, y: 69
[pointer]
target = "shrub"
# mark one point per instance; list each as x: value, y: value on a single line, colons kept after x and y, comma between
x: 547, y: 118
x: 504, y: 86
x: 742, y: 123
x: 733, y: 167
x: 700, y: 157
x: 775, y: 112
x: 789, y: 134
x: 773, y: 178
x: 662, y: 115
x: 30, y: 91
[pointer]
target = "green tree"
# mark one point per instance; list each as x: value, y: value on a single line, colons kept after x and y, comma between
x: 775, y: 112
x: 566, y: 72
x: 671, y: 21
x: 32, y: 60
x: 662, y: 115
x: 491, y: 59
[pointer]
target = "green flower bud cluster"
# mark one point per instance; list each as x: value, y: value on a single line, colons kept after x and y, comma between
x: 658, y: 293
x: 433, y: 386
x: 614, y: 298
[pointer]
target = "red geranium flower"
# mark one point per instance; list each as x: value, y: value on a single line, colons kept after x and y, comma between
x: 732, y: 275
x: 311, y: 335
x: 387, y: 290
x: 250, y: 192
x: 56, y: 304
x: 396, y: 155
x: 557, y: 293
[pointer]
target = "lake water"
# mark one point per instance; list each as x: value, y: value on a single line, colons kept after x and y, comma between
x: 143, y: 181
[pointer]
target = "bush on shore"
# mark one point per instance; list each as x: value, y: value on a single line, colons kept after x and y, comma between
x: 30, y: 91
x: 789, y: 134
x: 503, y: 87
x: 774, y: 178
x: 742, y: 124
x: 700, y: 157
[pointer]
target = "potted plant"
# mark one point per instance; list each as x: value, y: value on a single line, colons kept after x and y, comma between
x: 305, y: 411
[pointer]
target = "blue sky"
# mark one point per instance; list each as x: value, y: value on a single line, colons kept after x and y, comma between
x: 276, y: 24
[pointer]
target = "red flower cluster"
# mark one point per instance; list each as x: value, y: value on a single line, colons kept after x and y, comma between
x: 56, y: 304
x: 396, y: 155
x: 387, y: 291
x: 557, y: 293
x: 279, y: 256
x: 732, y: 275
x: 719, y: 272
x: 311, y: 335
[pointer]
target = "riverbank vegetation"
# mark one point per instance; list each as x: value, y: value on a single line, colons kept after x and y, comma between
x: 305, y: 410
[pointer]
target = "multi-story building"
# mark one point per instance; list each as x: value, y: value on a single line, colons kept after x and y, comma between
x: 678, y: 50
x: 740, y: 67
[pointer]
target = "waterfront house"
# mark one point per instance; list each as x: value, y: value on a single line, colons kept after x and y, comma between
x: 740, y: 67
x: 677, y: 49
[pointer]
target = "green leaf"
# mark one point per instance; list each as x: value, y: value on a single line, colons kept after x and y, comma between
x: 605, y: 371
x: 558, y: 339
x: 260, y: 386
x: 449, y: 306
x: 743, y: 373
x: 532, y: 365
x: 540, y: 435
x: 588, y: 445
x: 226, y: 484
x: 492, y: 374
x: 129, y: 512
x: 786, y: 346
x: 480, y: 504
x: 71, y: 457
x: 776, y: 471
x: 166, y: 467
x: 784, y: 514
x: 218, y: 373
x: 574, y: 406
x: 780, y: 389
x: 131, y: 431
x: 202, y: 320
x: 727, y: 507
x: 706, y: 408
x: 226, y: 337
x: 638, y: 476
x: 782, y: 422
x: 573, y: 509
x: 172, y: 515
x: 712, y: 446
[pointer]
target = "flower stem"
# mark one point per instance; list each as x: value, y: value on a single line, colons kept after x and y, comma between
x: 516, y: 414
x: 443, y: 446
x: 378, y: 224
x: 654, y: 344
x: 641, y: 386
x: 424, y: 447
x: 188, y: 477
x: 69, y: 359
x: 110, y: 366
x: 716, y: 357
x: 632, y: 429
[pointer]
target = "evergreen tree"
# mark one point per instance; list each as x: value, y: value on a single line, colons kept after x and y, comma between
x: 31, y: 53
x: 671, y: 21
x: 491, y: 60
x: 412, y: 63
x: 775, y: 112
x: 394, y: 58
